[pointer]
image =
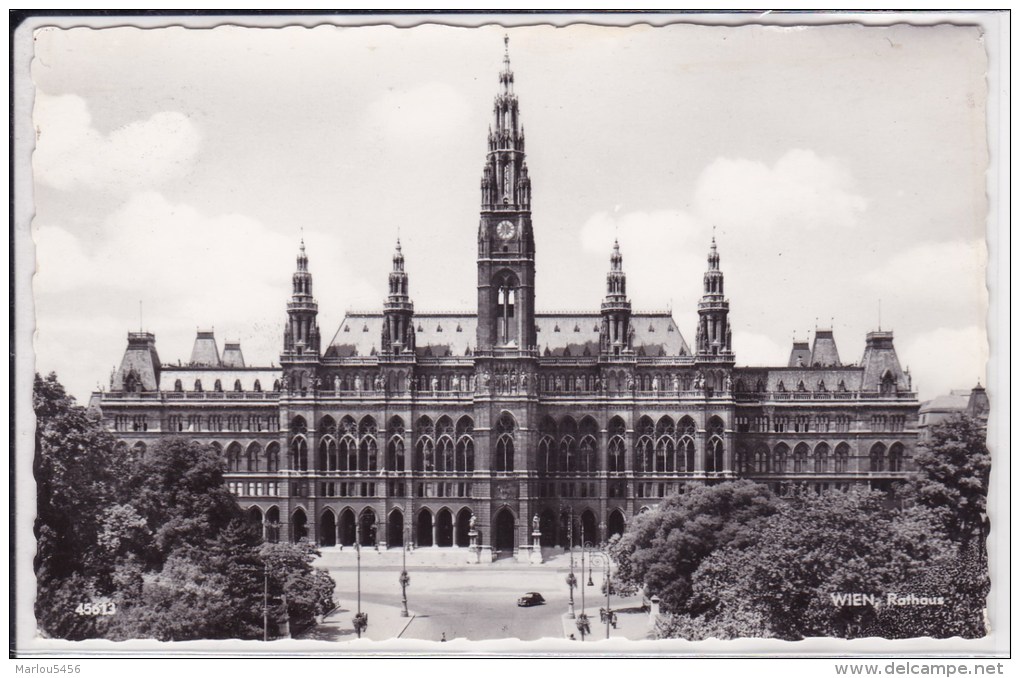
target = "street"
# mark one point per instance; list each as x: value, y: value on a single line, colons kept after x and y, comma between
x: 475, y: 602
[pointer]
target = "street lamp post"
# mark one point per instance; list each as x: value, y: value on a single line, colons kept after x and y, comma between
x: 265, y: 602
x: 405, y: 579
x: 571, y: 579
x: 600, y: 557
x: 360, y: 620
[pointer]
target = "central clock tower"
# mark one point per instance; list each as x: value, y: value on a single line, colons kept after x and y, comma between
x: 506, y: 243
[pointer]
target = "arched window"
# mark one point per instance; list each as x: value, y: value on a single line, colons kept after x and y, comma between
x: 800, y: 457
x: 299, y: 453
x: 347, y: 453
x: 762, y: 458
x: 714, y: 462
x: 877, y: 458
x: 588, y: 460
x: 506, y: 429
x: 328, y: 457
x: 842, y: 458
x: 254, y: 457
x: 217, y: 386
x: 237, y: 385
x: 273, y: 457
x: 821, y: 458
x: 178, y: 386
x: 546, y: 454
x: 780, y: 453
x: 506, y: 326
x: 896, y: 458
x: 644, y: 451
x: 617, y: 450
x: 444, y: 454
x: 198, y: 386
x: 258, y: 386
x: 233, y: 457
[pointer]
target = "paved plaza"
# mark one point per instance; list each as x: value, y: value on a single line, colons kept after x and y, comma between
x: 450, y: 598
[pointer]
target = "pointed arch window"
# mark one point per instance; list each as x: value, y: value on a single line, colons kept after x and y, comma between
x: 506, y: 429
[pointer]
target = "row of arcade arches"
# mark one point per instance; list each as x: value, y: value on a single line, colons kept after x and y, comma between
x: 441, y: 528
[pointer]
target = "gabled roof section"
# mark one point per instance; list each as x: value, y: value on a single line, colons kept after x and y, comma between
x: 559, y: 334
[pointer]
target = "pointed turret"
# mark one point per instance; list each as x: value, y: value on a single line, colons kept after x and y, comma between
x: 800, y: 354
x: 506, y: 242
x: 139, y: 369
x: 398, y: 310
x: 616, y: 310
x: 505, y: 182
x: 301, y: 336
x: 882, y: 370
x: 713, y: 335
x: 232, y: 356
x: 205, y: 352
x: 823, y: 351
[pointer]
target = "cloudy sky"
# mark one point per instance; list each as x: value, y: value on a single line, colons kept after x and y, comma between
x: 839, y: 166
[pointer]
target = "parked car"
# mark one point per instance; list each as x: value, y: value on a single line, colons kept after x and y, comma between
x: 529, y: 599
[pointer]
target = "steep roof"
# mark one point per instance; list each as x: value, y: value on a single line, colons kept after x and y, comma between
x: 880, y: 359
x: 205, y: 353
x: 823, y: 352
x: 800, y: 355
x: 140, y: 365
x: 232, y: 356
x: 449, y: 334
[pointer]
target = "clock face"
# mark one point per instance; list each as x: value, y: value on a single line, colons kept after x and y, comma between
x: 506, y: 229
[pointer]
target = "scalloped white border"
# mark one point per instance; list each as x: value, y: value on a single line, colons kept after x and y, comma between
x: 995, y: 27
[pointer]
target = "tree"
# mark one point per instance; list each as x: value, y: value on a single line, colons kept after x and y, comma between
x: 308, y: 591
x: 789, y: 579
x: 953, y: 471
x: 664, y: 547
x: 160, y: 537
x: 77, y: 469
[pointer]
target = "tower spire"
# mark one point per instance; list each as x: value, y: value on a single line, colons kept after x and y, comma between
x: 301, y: 336
x: 397, y: 332
x: 615, y: 332
x: 714, y: 334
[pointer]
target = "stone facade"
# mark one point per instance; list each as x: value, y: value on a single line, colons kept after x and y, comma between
x: 421, y: 427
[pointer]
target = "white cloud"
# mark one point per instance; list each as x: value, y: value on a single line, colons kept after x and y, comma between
x: 950, y: 275
x: 663, y: 252
x: 190, y: 269
x: 71, y: 153
x: 946, y: 358
x: 800, y: 190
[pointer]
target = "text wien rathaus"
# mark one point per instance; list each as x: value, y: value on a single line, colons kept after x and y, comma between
x: 447, y: 429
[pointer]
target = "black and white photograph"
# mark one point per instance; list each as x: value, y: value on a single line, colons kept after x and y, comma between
x: 504, y: 334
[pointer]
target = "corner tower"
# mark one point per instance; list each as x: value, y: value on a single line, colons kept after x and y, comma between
x: 616, y: 336
x: 713, y: 336
x: 398, y: 310
x: 506, y: 243
x: 300, y: 357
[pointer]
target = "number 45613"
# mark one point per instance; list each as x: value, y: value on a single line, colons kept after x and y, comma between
x: 98, y: 608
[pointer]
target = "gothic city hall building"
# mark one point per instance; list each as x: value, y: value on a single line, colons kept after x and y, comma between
x: 421, y: 429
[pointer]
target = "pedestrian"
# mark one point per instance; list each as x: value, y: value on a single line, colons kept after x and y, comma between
x: 572, y: 637
x: 444, y: 638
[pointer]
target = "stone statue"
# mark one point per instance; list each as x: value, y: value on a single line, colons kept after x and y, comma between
x: 630, y: 383
x: 534, y: 523
x: 524, y: 381
x: 728, y: 384
x: 655, y: 384
x: 676, y: 383
x: 435, y: 383
x: 286, y: 384
x: 357, y: 383
x: 471, y: 523
x: 336, y: 385
x: 486, y: 378
x: 318, y: 383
